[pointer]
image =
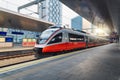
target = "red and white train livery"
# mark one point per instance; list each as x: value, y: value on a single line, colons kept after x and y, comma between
x: 57, y: 39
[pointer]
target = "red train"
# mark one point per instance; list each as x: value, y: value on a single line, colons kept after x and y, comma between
x: 57, y: 39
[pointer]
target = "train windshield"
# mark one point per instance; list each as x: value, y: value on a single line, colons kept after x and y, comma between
x: 45, y: 35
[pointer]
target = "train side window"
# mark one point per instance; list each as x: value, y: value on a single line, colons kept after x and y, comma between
x: 72, y: 37
x: 80, y: 38
x: 56, y: 39
x: 76, y: 38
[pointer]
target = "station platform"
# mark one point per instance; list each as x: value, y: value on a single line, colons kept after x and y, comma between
x: 98, y: 63
x: 15, y: 48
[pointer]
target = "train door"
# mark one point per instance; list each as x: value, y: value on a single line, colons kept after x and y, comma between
x: 90, y: 41
x: 65, y: 37
x: 65, y: 41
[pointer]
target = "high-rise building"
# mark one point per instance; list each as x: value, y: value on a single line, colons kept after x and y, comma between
x: 50, y: 10
x: 58, y: 13
x: 76, y: 23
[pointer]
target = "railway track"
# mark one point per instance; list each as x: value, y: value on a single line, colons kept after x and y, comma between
x: 9, y: 59
x: 15, y: 54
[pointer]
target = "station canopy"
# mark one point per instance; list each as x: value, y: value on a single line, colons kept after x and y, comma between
x: 14, y: 20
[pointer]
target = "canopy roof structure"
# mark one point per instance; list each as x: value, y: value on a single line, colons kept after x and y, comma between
x: 107, y: 10
x: 11, y: 19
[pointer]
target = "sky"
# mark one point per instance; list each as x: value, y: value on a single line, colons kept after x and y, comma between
x: 67, y: 15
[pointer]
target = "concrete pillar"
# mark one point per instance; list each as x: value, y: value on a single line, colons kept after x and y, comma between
x: 119, y: 42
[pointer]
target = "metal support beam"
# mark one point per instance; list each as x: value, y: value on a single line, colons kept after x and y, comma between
x: 119, y: 42
x: 38, y: 9
x: 29, y: 4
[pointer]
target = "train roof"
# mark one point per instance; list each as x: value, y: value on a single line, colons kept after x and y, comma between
x: 75, y: 32
x: 68, y: 30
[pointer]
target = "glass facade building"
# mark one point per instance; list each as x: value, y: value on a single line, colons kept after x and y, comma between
x: 58, y: 13
x: 77, y: 23
x: 50, y: 10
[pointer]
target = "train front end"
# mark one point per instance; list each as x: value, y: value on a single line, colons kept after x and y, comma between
x: 42, y: 41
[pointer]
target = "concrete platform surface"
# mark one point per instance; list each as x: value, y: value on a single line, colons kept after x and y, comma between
x: 98, y: 63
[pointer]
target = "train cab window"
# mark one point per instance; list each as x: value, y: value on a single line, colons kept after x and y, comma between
x: 56, y: 39
x: 45, y: 36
